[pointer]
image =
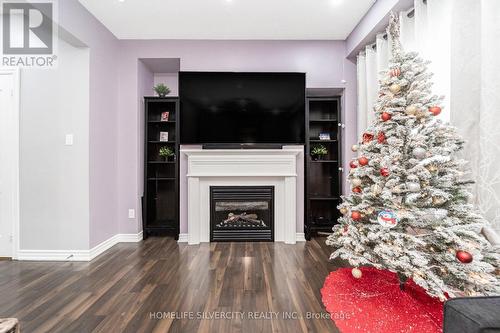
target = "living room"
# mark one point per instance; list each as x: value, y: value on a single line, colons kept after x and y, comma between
x: 212, y: 166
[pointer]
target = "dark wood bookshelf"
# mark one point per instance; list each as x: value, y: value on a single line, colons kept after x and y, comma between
x: 323, y: 177
x: 160, y: 201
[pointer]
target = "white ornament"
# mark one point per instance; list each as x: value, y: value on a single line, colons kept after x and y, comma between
x: 356, y: 182
x: 354, y: 148
x: 413, y: 187
x: 356, y: 272
x: 419, y: 152
x: 388, y: 219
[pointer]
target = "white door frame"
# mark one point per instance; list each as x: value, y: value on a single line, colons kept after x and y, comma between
x: 14, y: 152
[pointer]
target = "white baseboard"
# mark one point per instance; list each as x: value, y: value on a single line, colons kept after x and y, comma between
x: 78, y: 255
x: 183, y: 238
x: 300, y: 237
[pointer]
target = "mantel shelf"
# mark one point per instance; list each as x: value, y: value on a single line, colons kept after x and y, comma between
x: 322, y: 141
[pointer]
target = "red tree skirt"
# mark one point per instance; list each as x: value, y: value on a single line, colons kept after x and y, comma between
x: 375, y: 303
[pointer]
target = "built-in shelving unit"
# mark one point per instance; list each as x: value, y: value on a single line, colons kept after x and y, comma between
x: 161, y: 177
x: 323, y: 176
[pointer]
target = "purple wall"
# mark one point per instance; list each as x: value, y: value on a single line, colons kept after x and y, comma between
x: 118, y: 80
x: 323, y: 61
x: 374, y: 21
x: 103, y: 145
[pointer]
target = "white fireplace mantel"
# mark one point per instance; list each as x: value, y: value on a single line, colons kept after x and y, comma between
x: 242, y: 167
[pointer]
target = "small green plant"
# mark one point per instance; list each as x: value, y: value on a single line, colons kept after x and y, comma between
x: 161, y: 89
x: 319, y: 151
x: 166, y: 152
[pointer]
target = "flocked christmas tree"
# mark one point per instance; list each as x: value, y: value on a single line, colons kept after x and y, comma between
x: 409, y: 211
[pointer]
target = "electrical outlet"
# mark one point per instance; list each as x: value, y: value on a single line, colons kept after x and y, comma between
x: 69, y: 140
x: 131, y: 213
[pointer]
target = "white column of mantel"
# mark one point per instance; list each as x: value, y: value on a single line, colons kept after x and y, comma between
x: 290, y: 214
x: 194, y: 227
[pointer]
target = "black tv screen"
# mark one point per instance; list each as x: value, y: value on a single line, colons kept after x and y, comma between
x: 232, y: 108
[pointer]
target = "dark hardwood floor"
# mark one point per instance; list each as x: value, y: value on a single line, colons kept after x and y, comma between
x: 136, y: 287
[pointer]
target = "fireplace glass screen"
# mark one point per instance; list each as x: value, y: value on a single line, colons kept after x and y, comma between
x: 241, y: 213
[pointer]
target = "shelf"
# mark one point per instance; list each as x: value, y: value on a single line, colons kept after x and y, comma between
x: 323, y: 141
x: 324, y: 161
x: 169, y: 141
x: 323, y: 120
x: 323, y: 198
x: 161, y: 122
x: 162, y: 162
x: 161, y: 178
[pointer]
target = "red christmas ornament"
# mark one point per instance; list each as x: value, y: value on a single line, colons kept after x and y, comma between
x: 381, y: 137
x: 356, y: 216
x: 384, y: 172
x: 356, y: 189
x: 435, y: 110
x: 363, y: 161
x: 386, y: 116
x: 395, y: 72
x: 353, y: 165
x: 464, y: 257
x: 367, y: 137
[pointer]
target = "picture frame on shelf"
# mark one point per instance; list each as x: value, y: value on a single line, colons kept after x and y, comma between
x: 164, y: 136
x: 324, y: 136
x: 165, y: 116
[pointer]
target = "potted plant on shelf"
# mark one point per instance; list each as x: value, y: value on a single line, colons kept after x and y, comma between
x: 161, y: 89
x: 166, y: 153
x: 318, y: 152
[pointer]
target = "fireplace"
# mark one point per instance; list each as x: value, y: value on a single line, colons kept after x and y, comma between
x: 241, y: 213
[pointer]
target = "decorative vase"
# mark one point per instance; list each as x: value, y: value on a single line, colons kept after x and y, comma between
x: 317, y: 157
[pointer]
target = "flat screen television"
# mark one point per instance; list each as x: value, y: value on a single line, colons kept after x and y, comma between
x: 242, y: 108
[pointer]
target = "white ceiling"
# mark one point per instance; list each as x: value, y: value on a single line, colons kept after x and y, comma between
x: 229, y: 19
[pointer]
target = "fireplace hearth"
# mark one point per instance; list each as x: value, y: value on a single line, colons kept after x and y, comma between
x: 241, y: 213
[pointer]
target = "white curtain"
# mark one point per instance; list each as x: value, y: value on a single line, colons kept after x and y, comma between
x: 475, y: 95
x: 461, y: 38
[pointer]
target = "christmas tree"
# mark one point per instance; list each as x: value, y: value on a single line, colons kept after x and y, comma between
x: 410, y: 209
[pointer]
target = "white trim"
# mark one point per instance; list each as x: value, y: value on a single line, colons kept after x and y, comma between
x: 300, y: 237
x: 15, y: 152
x: 183, y: 238
x: 78, y: 255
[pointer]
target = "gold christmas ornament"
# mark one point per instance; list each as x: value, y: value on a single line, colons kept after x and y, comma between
x: 432, y: 168
x: 396, y: 189
x: 395, y: 88
x: 376, y: 189
x: 411, y: 110
x: 354, y: 148
x: 356, y: 182
x: 343, y: 210
x: 438, y: 201
x: 356, y: 272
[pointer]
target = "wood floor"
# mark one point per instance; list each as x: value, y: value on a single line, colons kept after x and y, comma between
x: 136, y: 287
